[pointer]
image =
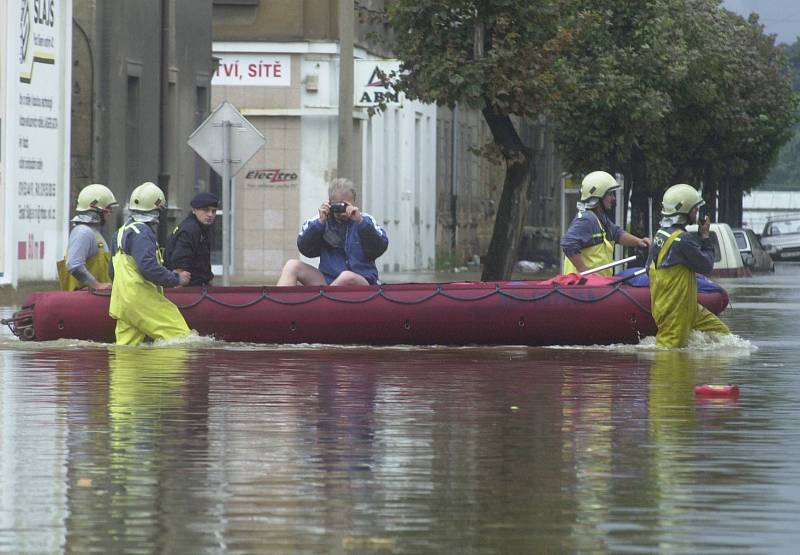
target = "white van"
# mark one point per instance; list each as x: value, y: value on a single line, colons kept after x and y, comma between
x: 727, y: 258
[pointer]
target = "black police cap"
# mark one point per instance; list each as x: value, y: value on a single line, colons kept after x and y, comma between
x: 203, y: 199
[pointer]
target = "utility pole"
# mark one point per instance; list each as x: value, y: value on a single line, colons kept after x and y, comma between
x: 345, y: 146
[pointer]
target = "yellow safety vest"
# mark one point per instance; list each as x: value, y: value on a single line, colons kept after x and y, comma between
x: 596, y: 255
x: 673, y: 299
x: 97, y: 266
x: 139, y: 305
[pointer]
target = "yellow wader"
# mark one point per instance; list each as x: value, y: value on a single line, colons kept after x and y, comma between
x: 139, y: 306
x: 596, y: 255
x: 673, y: 298
x: 97, y: 265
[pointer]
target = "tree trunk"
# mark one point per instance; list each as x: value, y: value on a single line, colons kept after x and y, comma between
x: 511, y: 210
x: 639, y: 194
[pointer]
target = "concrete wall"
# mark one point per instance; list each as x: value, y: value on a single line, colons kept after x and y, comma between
x: 138, y: 94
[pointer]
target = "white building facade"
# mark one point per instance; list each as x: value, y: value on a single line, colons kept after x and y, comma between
x: 289, y: 92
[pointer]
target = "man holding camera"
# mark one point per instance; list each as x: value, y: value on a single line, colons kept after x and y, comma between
x: 346, y: 240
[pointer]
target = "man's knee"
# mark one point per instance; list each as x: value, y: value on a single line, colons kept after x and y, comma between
x: 350, y: 278
x: 292, y: 266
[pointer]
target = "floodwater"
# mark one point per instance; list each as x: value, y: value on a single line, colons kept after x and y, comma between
x: 207, y: 447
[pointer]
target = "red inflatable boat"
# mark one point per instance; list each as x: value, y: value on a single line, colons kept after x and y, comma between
x: 566, y: 310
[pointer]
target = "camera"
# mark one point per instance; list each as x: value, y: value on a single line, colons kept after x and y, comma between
x: 338, y: 207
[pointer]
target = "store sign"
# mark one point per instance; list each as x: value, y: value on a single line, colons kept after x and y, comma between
x: 271, y: 178
x: 253, y: 70
x: 36, y: 136
x: 372, y: 82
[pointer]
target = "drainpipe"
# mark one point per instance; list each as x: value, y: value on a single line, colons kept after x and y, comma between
x: 163, y: 114
x: 454, y: 181
x: 345, y: 146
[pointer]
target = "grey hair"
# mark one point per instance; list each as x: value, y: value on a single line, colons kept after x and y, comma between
x: 341, y: 184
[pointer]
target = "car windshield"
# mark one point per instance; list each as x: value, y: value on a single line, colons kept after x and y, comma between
x: 741, y: 240
x: 782, y: 227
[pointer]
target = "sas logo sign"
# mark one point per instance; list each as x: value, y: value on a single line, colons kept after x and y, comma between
x: 42, y: 14
x: 271, y: 178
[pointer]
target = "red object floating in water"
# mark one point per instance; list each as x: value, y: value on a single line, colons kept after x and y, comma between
x: 708, y: 390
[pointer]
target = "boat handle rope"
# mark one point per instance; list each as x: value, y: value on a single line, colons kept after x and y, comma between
x: 439, y: 291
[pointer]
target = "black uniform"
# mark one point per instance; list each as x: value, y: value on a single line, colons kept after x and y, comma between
x: 189, y: 248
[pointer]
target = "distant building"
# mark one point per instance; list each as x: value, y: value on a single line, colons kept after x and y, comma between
x: 758, y: 206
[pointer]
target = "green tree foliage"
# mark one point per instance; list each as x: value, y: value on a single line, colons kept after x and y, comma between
x: 675, y: 91
x: 501, y: 56
x: 662, y: 91
x: 736, y: 111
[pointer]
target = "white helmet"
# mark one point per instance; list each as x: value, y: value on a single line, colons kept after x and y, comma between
x: 146, y: 198
x: 95, y: 197
x: 596, y: 184
x: 681, y: 199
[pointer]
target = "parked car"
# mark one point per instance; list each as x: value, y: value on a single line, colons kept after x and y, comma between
x: 727, y: 258
x: 781, y: 237
x: 753, y: 254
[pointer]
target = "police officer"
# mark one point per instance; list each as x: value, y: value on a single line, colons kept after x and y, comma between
x: 87, y: 258
x: 589, y: 240
x: 138, y: 303
x: 674, y: 258
x: 189, y: 246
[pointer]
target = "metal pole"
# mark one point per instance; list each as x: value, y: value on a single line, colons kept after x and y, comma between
x: 226, y: 202
x: 609, y: 265
x: 345, y: 146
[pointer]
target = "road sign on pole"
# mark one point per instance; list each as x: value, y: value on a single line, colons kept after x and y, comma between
x: 226, y: 141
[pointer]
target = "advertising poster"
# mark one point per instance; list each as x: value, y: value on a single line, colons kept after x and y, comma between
x: 36, y: 134
x: 3, y: 50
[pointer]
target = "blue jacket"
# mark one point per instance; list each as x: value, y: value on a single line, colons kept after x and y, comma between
x: 344, y: 246
x: 692, y: 251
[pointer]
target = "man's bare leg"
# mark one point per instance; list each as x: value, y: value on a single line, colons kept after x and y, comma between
x: 295, y: 271
x: 349, y: 278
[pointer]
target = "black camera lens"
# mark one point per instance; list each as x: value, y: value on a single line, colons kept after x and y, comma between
x: 338, y: 207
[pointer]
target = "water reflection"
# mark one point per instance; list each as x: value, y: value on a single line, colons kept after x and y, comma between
x: 213, y: 447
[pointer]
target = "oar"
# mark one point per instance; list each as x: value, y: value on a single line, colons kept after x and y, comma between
x: 609, y: 265
x: 638, y: 272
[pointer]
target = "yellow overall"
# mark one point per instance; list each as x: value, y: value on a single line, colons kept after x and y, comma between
x: 97, y: 265
x: 596, y: 255
x: 673, y: 299
x: 138, y: 305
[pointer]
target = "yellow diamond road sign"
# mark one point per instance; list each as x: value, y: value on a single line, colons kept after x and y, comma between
x: 208, y: 140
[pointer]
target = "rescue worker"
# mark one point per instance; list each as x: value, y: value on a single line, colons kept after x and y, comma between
x: 87, y: 258
x: 674, y: 258
x: 138, y: 303
x: 189, y: 246
x: 589, y: 240
x: 346, y: 240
